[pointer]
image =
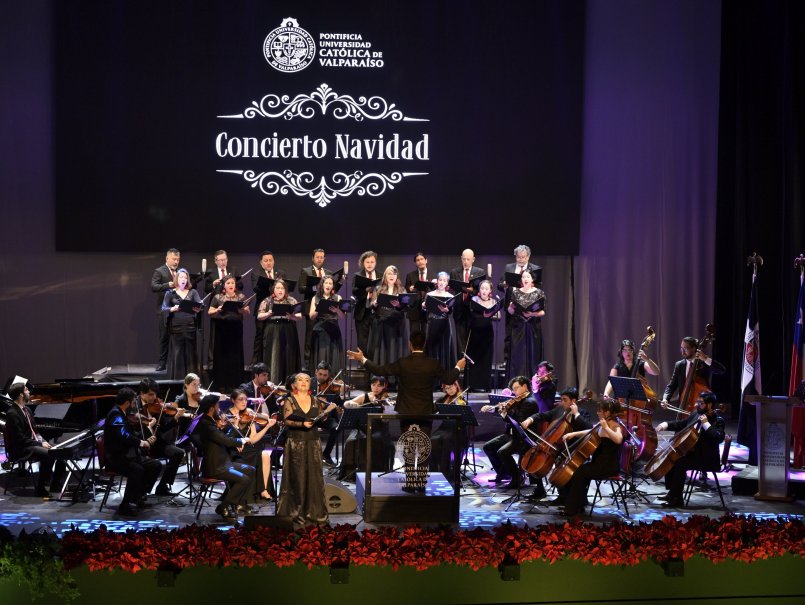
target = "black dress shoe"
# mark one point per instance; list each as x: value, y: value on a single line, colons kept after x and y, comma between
x: 536, y: 495
x: 160, y: 368
x: 226, y: 511
x: 664, y: 497
x: 556, y: 502
x: 674, y: 502
x: 245, y: 509
x: 163, y: 490
x: 500, y: 479
x: 126, y: 510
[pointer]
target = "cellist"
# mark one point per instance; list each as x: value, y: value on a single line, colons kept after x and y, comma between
x: 605, y: 461
x: 690, y: 352
x: 703, y: 456
x: 568, y: 404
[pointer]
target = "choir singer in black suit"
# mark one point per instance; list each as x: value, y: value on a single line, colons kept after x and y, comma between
x: 317, y: 269
x: 417, y: 318
x: 267, y: 270
x: 461, y: 312
x: 416, y: 374
x: 164, y: 279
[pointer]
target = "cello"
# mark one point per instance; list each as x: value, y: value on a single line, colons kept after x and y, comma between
x: 694, y: 384
x: 539, y: 460
x: 681, y: 443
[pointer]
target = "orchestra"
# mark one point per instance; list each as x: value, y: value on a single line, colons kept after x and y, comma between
x: 545, y: 435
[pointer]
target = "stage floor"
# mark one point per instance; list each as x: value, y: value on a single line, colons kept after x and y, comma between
x: 482, y: 504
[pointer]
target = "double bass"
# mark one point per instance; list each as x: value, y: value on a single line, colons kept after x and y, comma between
x: 638, y: 412
x: 694, y: 384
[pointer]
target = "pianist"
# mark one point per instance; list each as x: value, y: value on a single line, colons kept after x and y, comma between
x: 23, y: 441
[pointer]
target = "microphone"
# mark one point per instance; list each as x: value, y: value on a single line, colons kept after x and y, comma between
x: 346, y: 267
x: 489, y: 270
x: 203, y: 266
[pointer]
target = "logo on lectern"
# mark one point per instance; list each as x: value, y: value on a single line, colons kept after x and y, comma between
x: 289, y: 48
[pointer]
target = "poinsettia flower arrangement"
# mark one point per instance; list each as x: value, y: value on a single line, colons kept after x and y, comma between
x: 730, y: 537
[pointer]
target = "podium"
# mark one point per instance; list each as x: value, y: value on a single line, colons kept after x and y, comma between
x: 773, y: 444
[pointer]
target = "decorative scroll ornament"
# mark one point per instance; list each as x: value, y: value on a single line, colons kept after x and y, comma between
x: 323, y: 98
x: 304, y: 184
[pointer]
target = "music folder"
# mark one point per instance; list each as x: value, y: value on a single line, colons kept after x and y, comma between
x: 537, y: 305
x: 424, y: 286
x: 189, y: 306
x: 433, y: 302
x: 480, y: 309
x: 385, y: 300
x: 232, y: 306
x: 362, y: 282
x: 476, y: 281
x: 327, y: 305
x: 264, y: 285
x: 283, y: 309
x: 338, y: 279
x: 456, y: 285
x: 512, y: 280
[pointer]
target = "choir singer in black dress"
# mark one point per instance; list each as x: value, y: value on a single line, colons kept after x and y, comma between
x: 182, y: 325
x: 228, y: 369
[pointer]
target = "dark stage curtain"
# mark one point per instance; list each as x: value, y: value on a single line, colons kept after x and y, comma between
x: 760, y: 182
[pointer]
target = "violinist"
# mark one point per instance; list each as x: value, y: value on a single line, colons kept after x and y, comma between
x: 501, y: 449
x: 325, y: 387
x: 189, y: 401
x: 302, y: 490
x: 355, y: 445
x: 124, y: 455
x: 260, y: 390
x: 216, y: 461
x: 443, y: 437
x: 543, y: 385
x: 605, y: 460
x: 326, y: 344
x: 243, y: 422
x: 162, y: 432
x: 689, y: 347
x: 704, y: 455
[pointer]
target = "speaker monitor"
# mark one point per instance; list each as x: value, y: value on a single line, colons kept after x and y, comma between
x: 338, y: 498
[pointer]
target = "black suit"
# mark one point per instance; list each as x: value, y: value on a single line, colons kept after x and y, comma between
x: 703, y: 457
x: 461, y: 312
x: 363, y: 315
x: 501, y: 449
x: 123, y: 456
x: 416, y: 374
x: 257, y: 273
x: 512, y: 268
x: 307, y: 294
x: 160, y: 283
x: 417, y: 318
x: 21, y: 441
x: 217, y: 463
x: 703, y: 371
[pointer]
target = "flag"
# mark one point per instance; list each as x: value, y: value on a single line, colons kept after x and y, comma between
x: 799, y: 340
x: 797, y: 369
x: 751, y: 356
x: 750, y: 376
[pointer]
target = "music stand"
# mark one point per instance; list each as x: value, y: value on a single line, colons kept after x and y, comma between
x: 355, y: 418
x: 518, y: 495
x: 630, y: 389
x: 468, y: 420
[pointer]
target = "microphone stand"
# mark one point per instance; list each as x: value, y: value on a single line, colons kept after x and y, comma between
x: 204, y: 314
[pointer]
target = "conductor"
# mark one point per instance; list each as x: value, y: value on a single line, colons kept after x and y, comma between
x: 416, y: 373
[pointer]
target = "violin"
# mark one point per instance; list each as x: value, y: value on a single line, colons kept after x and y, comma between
x: 333, y: 386
x: 158, y: 407
x: 504, y: 407
x: 261, y: 420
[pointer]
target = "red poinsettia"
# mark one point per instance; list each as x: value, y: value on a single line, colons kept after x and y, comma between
x: 730, y: 537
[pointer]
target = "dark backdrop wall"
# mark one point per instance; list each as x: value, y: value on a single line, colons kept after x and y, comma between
x: 761, y: 205
x: 648, y: 208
